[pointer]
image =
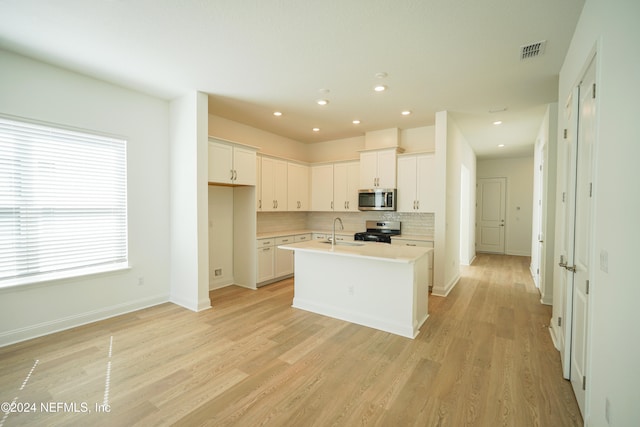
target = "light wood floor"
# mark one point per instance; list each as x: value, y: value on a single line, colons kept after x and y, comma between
x: 483, y: 358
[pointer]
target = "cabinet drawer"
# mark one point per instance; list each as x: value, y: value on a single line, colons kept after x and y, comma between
x: 284, y: 240
x: 302, y: 237
x: 318, y: 236
x: 422, y: 243
x: 263, y: 243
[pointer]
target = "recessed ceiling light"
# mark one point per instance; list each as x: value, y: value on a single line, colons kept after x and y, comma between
x: 500, y: 145
x: 406, y: 112
x: 381, y: 75
x: 316, y: 129
x: 497, y: 122
x: 380, y: 88
x: 322, y: 102
x: 356, y: 122
x: 277, y: 113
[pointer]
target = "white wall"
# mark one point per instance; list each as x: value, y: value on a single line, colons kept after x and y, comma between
x: 220, y: 236
x: 452, y: 151
x: 519, y: 210
x: 611, y: 27
x: 268, y: 143
x: 39, y: 91
x: 544, y: 206
x: 189, y: 159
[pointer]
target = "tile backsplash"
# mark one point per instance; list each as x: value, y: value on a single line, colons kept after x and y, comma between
x: 412, y: 223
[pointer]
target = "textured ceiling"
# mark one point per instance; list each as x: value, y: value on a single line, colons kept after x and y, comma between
x: 255, y: 57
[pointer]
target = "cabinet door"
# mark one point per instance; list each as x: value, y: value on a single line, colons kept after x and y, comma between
x: 280, y: 185
x: 265, y: 264
x: 406, y: 184
x: 268, y: 185
x: 387, y: 169
x: 425, y: 183
x: 346, y: 179
x: 368, y: 170
x: 340, y: 175
x: 353, y: 185
x: 274, y: 185
x: 244, y: 166
x: 220, y: 163
x: 322, y: 188
x: 297, y: 187
x: 258, y: 183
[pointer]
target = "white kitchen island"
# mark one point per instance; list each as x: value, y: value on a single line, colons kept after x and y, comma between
x: 372, y: 284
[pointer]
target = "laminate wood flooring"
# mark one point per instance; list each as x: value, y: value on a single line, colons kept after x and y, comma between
x: 483, y: 358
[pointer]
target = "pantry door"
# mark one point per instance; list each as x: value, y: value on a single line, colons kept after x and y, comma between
x: 491, y: 210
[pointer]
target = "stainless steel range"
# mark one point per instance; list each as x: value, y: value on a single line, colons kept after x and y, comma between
x: 379, y: 231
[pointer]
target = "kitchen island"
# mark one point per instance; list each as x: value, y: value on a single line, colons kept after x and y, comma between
x: 372, y: 284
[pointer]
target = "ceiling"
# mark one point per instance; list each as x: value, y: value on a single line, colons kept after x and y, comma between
x: 254, y: 57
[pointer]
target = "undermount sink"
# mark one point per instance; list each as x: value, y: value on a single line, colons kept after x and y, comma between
x: 344, y: 243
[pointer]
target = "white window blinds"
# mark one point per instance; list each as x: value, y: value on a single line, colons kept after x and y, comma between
x: 63, y: 202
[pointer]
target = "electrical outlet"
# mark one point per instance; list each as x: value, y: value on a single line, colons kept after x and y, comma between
x: 140, y: 281
x: 351, y: 290
x: 217, y: 272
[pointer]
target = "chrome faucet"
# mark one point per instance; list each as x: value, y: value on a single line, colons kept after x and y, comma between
x: 333, y: 236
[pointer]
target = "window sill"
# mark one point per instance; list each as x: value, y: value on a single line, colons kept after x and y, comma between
x: 48, y: 279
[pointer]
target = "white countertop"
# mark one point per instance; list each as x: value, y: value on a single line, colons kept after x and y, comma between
x: 370, y: 250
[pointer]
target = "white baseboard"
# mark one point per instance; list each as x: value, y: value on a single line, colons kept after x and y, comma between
x: 57, y: 325
x: 443, y: 292
x: 360, y: 318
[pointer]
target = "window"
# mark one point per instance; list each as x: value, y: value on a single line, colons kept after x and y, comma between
x: 63, y: 202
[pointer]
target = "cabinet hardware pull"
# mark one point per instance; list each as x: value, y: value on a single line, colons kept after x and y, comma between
x: 231, y: 177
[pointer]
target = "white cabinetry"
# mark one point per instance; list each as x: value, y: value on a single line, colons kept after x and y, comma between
x: 346, y: 178
x: 334, y: 187
x: 274, y: 185
x: 416, y: 183
x: 273, y: 263
x: 266, y: 258
x: 231, y: 164
x: 421, y: 243
x: 297, y: 187
x: 378, y: 169
x: 322, y: 188
x: 283, y: 257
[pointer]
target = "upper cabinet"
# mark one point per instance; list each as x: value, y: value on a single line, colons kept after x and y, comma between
x: 346, y: 178
x: 334, y: 187
x: 297, y: 187
x: 322, y: 188
x: 231, y: 164
x: 378, y: 169
x: 274, y: 185
x: 416, y: 183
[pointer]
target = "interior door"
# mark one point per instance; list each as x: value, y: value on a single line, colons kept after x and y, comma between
x: 566, y: 232
x: 582, y: 248
x: 491, y: 215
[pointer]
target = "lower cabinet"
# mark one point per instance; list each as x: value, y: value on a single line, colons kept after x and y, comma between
x: 284, y: 258
x: 423, y: 243
x: 266, y: 260
x: 275, y: 264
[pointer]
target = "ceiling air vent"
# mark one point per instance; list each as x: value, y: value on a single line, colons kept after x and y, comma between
x: 532, y: 50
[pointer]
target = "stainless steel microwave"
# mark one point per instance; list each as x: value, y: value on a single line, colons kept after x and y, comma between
x: 377, y: 199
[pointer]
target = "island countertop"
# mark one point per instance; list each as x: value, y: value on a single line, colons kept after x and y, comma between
x: 359, y: 249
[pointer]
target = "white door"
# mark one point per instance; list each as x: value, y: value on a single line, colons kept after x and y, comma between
x: 582, y: 248
x: 491, y: 215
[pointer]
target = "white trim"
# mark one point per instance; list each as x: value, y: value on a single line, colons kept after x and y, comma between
x: 437, y: 291
x: 50, y: 327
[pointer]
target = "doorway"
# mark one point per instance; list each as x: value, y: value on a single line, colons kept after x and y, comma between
x: 490, y: 227
x: 576, y: 246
